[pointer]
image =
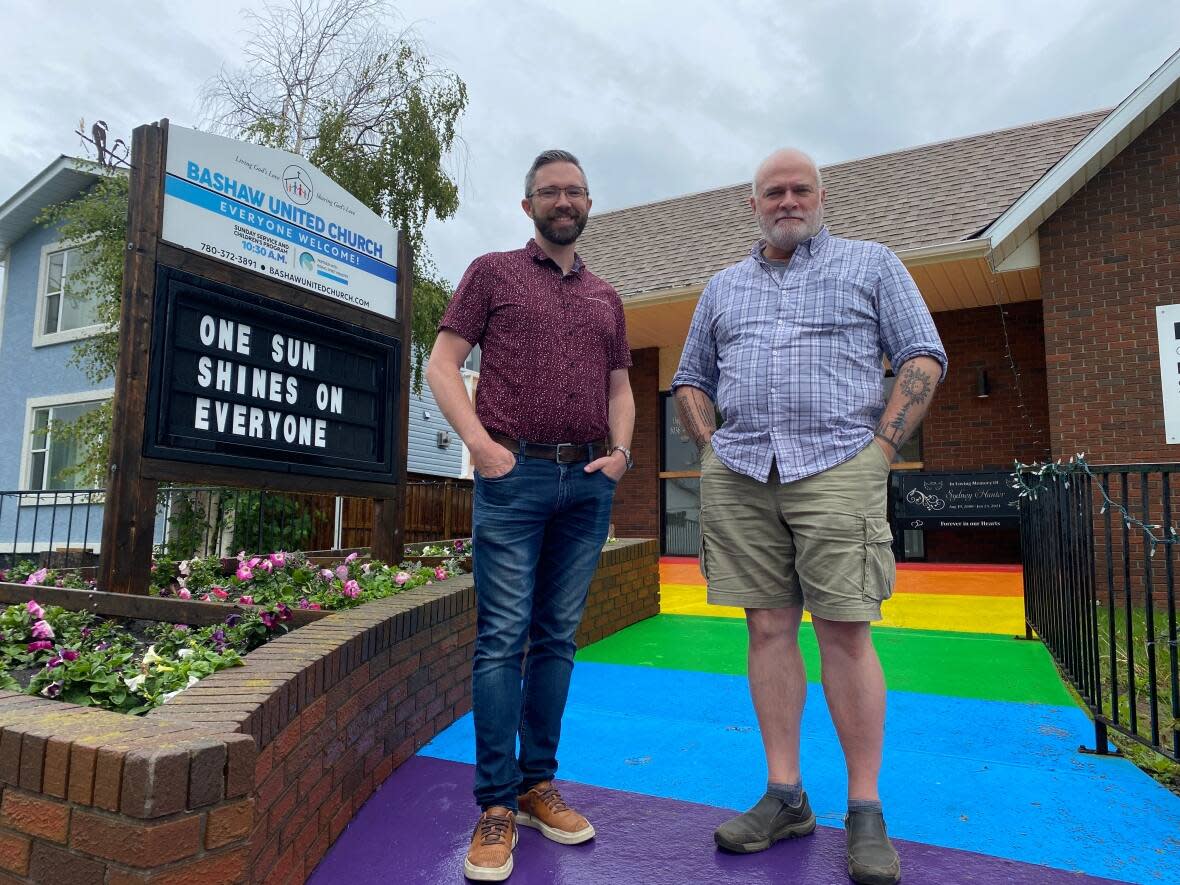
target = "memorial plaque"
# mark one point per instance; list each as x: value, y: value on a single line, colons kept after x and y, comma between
x: 955, y: 500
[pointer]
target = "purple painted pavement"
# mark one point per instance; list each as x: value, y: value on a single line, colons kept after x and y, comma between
x: 417, y: 826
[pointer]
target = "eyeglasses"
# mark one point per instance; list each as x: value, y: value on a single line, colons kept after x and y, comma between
x: 552, y: 193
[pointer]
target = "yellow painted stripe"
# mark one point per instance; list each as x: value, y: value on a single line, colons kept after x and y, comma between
x: 920, y: 611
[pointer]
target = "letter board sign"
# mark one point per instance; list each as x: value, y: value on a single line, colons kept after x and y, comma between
x: 246, y: 381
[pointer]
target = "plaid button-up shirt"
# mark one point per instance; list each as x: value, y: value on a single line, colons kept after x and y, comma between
x: 793, y: 359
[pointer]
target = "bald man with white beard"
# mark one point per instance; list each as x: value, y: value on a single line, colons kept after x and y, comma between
x: 787, y: 345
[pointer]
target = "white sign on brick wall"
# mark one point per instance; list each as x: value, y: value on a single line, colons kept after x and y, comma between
x: 1167, y: 321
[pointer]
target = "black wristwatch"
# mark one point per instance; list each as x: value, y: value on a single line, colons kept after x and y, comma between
x: 626, y: 454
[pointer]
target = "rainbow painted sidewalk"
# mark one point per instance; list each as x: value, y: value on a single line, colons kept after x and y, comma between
x: 983, y: 779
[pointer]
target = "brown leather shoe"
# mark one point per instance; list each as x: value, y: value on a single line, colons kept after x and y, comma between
x: 489, y: 859
x: 542, y: 808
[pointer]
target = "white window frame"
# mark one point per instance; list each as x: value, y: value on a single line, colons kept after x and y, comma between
x: 32, y: 404
x: 44, y: 339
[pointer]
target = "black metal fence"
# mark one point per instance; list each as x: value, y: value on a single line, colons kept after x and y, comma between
x: 1100, y: 591
x: 64, y: 528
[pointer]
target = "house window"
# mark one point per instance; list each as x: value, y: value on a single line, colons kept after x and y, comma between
x: 49, y: 454
x: 67, y: 302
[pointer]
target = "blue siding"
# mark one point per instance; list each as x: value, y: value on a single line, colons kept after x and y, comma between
x: 424, y: 455
x: 26, y: 371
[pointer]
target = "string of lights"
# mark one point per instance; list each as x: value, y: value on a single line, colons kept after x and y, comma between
x: 1061, y: 470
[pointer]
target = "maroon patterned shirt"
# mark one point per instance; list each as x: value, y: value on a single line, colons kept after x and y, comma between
x: 549, y: 343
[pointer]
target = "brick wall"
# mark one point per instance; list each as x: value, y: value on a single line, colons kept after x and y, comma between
x: 251, y: 774
x: 636, y: 511
x: 1109, y: 257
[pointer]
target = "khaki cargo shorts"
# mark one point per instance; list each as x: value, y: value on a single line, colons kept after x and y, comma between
x: 822, y: 542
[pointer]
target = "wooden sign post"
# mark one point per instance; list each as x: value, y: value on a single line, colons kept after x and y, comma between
x: 264, y: 340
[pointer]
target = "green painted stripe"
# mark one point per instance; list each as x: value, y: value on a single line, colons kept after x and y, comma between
x: 965, y: 665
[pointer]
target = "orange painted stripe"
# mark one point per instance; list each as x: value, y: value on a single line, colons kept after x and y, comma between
x: 960, y: 567
x: 943, y: 583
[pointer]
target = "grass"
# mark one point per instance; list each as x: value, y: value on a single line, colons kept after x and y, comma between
x: 1162, y: 768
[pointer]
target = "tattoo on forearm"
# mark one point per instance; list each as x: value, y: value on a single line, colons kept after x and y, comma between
x: 917, y: 387
x: 696, y: 414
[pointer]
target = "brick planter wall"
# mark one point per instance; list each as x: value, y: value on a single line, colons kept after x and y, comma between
x: 251, y: 774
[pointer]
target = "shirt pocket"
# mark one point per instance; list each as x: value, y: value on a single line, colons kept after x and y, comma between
x: 832, y: 301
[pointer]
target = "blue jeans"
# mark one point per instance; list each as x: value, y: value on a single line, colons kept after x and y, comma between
x: 537, y: 532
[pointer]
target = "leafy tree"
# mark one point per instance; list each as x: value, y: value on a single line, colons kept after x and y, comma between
x: 325, y: 79
x: 328, y: 80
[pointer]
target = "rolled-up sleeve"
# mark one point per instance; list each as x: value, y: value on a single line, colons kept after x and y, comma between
x: 698, y: 363
x: 906, y: 328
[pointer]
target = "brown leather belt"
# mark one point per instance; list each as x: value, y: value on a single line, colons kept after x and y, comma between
x: 562, y: 453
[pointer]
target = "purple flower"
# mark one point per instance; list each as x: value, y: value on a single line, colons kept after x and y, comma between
x: 42, y: 630
x: 284, y: 612
x: 279, y: 559
x: 35, y: 610
x: 165, y: 592
x: 102, y: 646
x: 254, y: 561
x: 303, y: 602
x: 37, y: 577
x: 269, y: 619
x: 41, y: 645
x: 233, y: 620
x: 326, y: 575
x: 351, y: 557
x: 55, y: 661
x: 181, y: 628
x: 244, y: 573
x: 342, y: 572
x: 69, y: 654
x: 52, y: 690
x: 459, y: 545
x: 351, y: 589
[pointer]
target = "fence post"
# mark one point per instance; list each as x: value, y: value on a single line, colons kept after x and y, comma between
x: 448, y: 508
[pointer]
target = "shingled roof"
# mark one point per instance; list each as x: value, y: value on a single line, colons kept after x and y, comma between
x: 924, y: 196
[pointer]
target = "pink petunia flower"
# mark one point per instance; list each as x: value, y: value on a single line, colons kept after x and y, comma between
x: 42, y: 630
x: 267, y: 566
x: 246, y: 600
x: 440, y: 573
x: 351, y: 557
x: 351, y: 589
x: 184, y: 593
x: 40, y: 645
x: 35, y: 610
x: 36, y: 577
x: 204, y: 597
x: 342, y: 572
x: 253, y: 563
x: 314, y: 606
x: 326, y: 575
x: 69, y: 654
x: 219, y: 593
x: 401, y: 577
x: 279, y: 559
x: 244, y: 573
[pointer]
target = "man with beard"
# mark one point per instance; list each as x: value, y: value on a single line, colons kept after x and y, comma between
x: 788, y: 343
x: 549, y: 437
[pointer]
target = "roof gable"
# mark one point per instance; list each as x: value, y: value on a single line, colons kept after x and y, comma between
x: 61, y: 180
x: 909, y: 200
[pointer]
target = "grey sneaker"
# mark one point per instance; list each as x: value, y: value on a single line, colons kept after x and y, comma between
x: 871, y: 857
x: 766, y: 823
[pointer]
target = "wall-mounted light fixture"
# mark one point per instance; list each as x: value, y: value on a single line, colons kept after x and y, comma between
x: 981, y: 388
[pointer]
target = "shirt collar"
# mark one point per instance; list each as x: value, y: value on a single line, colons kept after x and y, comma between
x: 814, y: 245
x: 536, y: 253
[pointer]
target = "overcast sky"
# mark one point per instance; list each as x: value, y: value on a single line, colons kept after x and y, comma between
x: 656, y: 98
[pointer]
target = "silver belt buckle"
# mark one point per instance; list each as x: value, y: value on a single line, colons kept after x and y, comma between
x: 559, y: 447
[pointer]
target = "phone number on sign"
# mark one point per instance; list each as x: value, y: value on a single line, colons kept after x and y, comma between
x: 226, y: 255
